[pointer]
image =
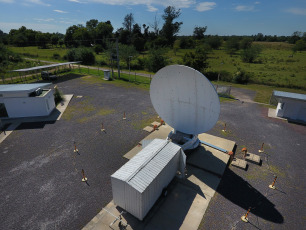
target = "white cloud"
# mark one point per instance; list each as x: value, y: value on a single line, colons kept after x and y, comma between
x: 244, y: 8
x: 297, y: 11
x: 44, y: 20
x: 176, y: 3
x: 256, y: 3
x: 7, y: 1
x: 205, y: 6
x: 77, y: 1
x: 60, y: 11
x: 39, y: 2
x: 152, y: 8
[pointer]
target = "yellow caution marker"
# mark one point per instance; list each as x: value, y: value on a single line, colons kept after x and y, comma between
x: 261, y: 150
x: 272, y: 186
x: 84, y: 179
x: 244, y: 218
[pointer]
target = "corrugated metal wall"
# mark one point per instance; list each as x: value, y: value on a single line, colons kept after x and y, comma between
x: 138, y: 184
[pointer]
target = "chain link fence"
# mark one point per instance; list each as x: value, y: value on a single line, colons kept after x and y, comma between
x: 223, y: 90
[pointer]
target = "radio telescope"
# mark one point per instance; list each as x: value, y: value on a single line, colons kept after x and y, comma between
x: 186, y: 100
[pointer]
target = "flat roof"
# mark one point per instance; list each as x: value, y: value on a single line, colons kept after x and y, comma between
x: 22, y: 87
x: 44, y: 66
x: 282, y: 94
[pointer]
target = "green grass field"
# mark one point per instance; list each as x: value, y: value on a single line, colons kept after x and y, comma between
x: 274, y: 67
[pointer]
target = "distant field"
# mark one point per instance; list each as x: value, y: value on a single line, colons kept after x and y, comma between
x: 275, y: 66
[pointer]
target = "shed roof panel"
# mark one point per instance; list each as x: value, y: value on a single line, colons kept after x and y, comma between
x: 282, y: 94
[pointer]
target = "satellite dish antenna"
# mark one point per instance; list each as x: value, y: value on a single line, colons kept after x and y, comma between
x: 186, y: 100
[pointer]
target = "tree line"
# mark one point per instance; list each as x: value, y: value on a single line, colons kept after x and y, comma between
x: 134, y: 38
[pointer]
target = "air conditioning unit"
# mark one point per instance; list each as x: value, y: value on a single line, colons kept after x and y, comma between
x: 38, y: 91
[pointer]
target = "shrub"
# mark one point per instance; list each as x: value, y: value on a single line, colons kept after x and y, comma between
x: 56, y: 56
x: 85, y: 55
x: 214, y: 42
x: 98, y: 48
x: 241, y: 77
x: 196, y: 60
x: 156, y: 61
x: 58, y: 96
x: 250, y: 54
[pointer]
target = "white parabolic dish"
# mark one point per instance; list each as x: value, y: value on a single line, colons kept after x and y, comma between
x: 185, y: 99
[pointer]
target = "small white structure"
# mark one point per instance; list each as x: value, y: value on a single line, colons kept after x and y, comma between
x: 290, y: 105
x: 139, y: 183
x: 26, y: 100
x: 107, y: 75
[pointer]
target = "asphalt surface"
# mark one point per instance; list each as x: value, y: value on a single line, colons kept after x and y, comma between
x: 239, y: 190
x: 40, y: 175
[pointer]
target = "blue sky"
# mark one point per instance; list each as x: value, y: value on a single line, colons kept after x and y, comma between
x: 222, y: 17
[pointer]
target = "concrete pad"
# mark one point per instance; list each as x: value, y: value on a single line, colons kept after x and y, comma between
x: 208, y: 159
x: 133, y: 152
x: 148, y: 129
x: 105, y: 217
x: 8, y: 131
x: 161, y: 133
x: 155, y: 123
x: 201, y: 181
x: 239, y: 163
x: 250, y: 157
x: 218, y: 141
x: 272, y: 114
x: 182, y: 209
x: 62, y: 106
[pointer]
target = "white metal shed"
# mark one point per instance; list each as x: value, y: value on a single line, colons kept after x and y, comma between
x: 138, y: 184
x: 290, y: 105
x: 26, y: 100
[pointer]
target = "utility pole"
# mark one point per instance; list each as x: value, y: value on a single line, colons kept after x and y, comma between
x: 118, y: 64
x: 130, y: 66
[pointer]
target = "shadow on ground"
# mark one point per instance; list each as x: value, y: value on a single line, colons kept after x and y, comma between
x: 34, y: 125
x: 241, y: 193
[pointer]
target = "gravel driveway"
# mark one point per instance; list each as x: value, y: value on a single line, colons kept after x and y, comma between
x: 40, y: 175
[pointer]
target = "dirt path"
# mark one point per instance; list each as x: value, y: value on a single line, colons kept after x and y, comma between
x: 244, y: 95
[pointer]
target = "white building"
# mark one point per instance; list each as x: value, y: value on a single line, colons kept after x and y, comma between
x: 291, y: 105
x: 139, y: 183
x: 26, y: 100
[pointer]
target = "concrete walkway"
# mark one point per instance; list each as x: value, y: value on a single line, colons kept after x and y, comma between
x: 187, y: 199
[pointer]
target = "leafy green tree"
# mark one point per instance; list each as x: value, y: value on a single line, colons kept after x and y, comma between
x: 69, y: 41
x: 232, y: 45
x: 20, y: 40
x: 82, y: 37
x: 187, y: 43
x: 250, y: 54
x: 104, y: 30
x: 295, y: 37
x: 156, y: 60
x: 91, y: 26
x: 198, y: 32
x: 98, y: 48
x: 54, y: 39
x: 300, y: 45
x: 246, y: 43
x: 85, y: 55
x: 214, y: 41
x: 125, y: 52
x: 42, y: 40
x: 170, y: 28
x: 196, y: 60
